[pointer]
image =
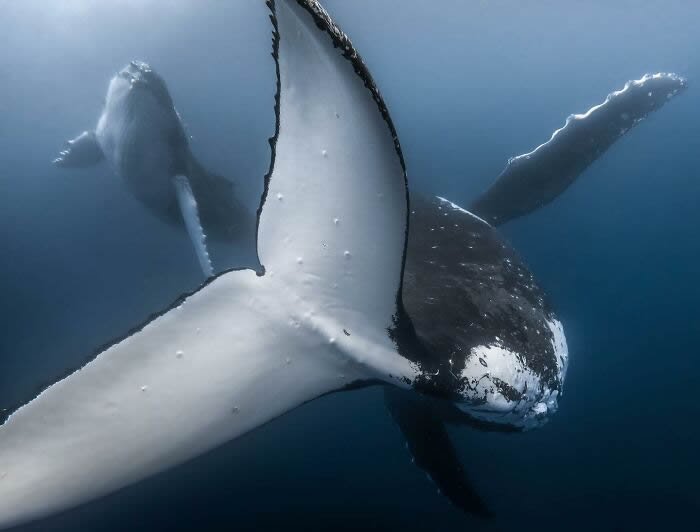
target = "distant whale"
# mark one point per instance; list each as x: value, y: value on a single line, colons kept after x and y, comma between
x: 444, y: 315
x: 142, y: 137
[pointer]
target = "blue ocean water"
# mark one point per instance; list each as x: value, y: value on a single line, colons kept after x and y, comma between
x: 468, y: 84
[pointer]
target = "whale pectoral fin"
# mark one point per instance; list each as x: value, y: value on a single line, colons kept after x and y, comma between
x: 535, y: 179
x: 190, y: 215
x: 81, y: 152
x: 429, y: 444
x: 221, y: 212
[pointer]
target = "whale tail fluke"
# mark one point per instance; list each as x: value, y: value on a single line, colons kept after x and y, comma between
x: 80, y: 152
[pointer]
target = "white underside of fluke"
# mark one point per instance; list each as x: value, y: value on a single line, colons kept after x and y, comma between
x: 236, y: 354
x: 243, y: 349
x: 190, y: 215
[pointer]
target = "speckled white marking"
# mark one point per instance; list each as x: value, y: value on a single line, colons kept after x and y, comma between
x: 561, y: 350
x: 538, y: 400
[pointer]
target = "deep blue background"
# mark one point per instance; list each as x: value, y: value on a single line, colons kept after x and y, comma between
x: 469, y: 85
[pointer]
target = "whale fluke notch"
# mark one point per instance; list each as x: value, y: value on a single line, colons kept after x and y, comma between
x: 245, y: 348
x: 532, y: 180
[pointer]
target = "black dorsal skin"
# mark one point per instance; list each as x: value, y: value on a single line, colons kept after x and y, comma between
x: 534, y: 179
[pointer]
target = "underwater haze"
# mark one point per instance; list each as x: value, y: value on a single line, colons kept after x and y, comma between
x: 469, y: 84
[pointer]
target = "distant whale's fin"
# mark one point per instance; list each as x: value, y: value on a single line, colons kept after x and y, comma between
x: 534, y: 179
x: 190, y: 215
x: 246, y: 347
x: 80, y: 152
x: 223, y: 216
x: 429, y: 444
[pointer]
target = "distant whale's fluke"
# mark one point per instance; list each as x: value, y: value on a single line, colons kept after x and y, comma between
x: 534, y: 179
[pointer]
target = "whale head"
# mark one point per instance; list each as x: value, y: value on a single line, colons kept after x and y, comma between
x: 141, y: 134
x: 133, y: 81
x: 495, y: 348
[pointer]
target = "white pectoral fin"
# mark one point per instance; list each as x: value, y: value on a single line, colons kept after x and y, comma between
x: 224, y: 362
x: 190, y: 215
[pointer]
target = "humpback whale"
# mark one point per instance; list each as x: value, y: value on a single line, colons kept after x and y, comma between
x: 341, y: 301
x: 468, y: 291
x: 141, y: 135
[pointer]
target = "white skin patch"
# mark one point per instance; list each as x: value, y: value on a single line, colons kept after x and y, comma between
x: 491, y: 364
x: 460, y: 209
x: 561, y: 350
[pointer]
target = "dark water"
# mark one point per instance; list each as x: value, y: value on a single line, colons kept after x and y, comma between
x: 468, y: 86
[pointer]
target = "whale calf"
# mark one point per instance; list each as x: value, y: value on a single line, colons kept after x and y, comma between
x: 141, y: 135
